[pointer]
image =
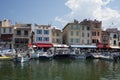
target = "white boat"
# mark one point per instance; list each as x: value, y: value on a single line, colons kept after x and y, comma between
x: 76, y: 54
x: 97, y: 55
x: 107, y: 56
x: 45, y: 55
x: 21, y: 59
x: 8, y: 52
x: 61, y: 53
x: 5, y: 56
x: 33, y: 54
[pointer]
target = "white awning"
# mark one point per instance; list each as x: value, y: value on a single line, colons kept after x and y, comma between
x: 83, y: 46
x: 34, y: 46
x: 60, y: 45
x: 115, y: 47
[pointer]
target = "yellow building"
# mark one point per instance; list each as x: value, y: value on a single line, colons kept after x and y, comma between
x: 71, y: 33
x: 82, y: 33
x: 56, y: 36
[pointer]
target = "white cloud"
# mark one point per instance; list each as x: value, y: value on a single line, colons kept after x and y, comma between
x: 91, y: 9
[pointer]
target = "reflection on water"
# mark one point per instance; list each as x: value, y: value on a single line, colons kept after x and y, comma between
x: 60, y: 70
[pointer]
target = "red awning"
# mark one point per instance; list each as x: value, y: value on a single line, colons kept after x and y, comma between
x: 100, y: 46
x: 30, y: 45
x: 43, y: 45
x: 103, y: 46
x: 107, y: 46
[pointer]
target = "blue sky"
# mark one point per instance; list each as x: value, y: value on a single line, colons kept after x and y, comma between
x: 59, y: 12
x: 32, y: 11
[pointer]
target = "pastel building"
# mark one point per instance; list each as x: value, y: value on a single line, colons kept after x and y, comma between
x: 56, y: 36
x: 6, y: 34
x: 105, y: 40
x: 114, y: 37
x: 42, y: 37
x: 85, y: 31
x: 93, y: 30
x: 71, y: 33
x: 22, y: 35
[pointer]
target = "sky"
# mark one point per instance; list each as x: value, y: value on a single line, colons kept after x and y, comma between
x: 59, y: 12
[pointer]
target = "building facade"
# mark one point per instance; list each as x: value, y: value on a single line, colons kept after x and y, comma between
x: 96, y: 31
x: 105, y: 40
x: 82, y: 33
x: 92, y: 29
x: 71, y: 33
x: 86, y: 30
x: 56, y: 36
x: 6, y: 34
x: 43, y: 36
x: 114, y: 37
x: 22, y: 35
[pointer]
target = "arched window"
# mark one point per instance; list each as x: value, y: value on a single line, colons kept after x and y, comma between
x: 114, y: 36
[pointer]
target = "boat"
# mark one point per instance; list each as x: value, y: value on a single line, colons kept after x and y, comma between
x: 45, y: 54
x: 96, y: 55
x: 62, y: 53
x: 4, y: 57
x: 33, y: 54
x: 107, y: 56
x: 76, y: 54
x: 21, y: 59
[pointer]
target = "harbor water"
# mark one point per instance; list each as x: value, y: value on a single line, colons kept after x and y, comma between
x: 60, y: 70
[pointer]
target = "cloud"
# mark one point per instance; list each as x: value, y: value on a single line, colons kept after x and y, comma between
x: 91, y: 9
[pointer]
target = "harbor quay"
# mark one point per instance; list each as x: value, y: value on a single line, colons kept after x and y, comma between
x: 60, y: 52
x: 77, y: 40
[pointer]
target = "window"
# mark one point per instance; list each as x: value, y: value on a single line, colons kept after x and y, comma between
x: 18, y: 32
x: 77, y: 40
x: 71, y: 33
x: 88, y: 28
x: 77, y: 33
x: 71, y: 40
x: 46, y: 38
x: 4, y: 30
x: 88, y: 35
x: 93, y: 33
x: 98, y: 34
x: 82, y: 41
x: 57, y: 34
x: 114, y: 42
x: 87, y: 41
x: 77, y: 27
x: 93, y: 41
x: 82, y: 34
x: 39, y: 31
x: 10, y: 30
x: 38, y: 38
x: 26, y: 33
x: 46, y: 32
x: 82, y: 27
x: 72, y: 27
x: 114, y: 36
x: 105, y: 38
x: 58, y: 40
